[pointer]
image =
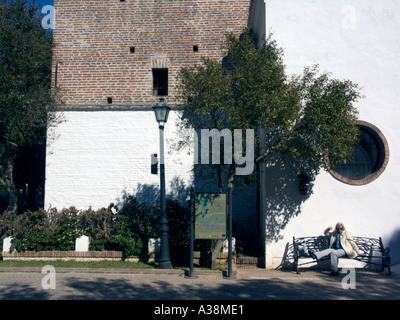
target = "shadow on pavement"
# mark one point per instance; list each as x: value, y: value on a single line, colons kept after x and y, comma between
x: 315, y: 286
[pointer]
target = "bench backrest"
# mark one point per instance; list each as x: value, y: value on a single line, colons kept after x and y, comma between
x: 318, y: 243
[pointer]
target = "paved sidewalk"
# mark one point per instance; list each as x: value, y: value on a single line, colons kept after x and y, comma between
x: 248, y: 284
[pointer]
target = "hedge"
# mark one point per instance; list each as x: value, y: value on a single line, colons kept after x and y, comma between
x: 125, y: 229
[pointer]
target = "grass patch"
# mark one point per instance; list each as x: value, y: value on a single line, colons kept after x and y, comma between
x: 76, y: 264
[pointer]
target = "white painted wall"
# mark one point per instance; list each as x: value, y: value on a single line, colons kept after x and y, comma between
x: 93, y: 157
x: 356, y: 40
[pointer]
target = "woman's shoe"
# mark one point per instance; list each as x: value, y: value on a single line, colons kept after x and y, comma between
x: 312, y: 254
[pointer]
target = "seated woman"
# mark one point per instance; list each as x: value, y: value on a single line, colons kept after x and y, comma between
x: 341, y: 243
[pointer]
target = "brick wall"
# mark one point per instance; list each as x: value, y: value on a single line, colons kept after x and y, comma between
x: 94, y: 38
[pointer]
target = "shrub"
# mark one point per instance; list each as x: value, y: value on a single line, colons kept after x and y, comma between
x: 67, y: 229
x: 134, y: 225
x: 127, y: 230
x: 43, y: 230
x: 32, y: 231
x: 97, y: 225
x: 6, y: 222
x: 179, y: 225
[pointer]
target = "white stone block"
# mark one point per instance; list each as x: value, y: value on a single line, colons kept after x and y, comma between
x: 82, y: 244
x: 226, y: 245
x: 154, y: 246
x: 7, y: 244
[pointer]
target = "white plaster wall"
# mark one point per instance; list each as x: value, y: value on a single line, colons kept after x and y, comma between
x: 356, y: 40
x: 93, y: 157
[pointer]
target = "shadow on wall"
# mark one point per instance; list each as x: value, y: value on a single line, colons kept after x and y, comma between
x: 394, y: 245
x: 150, y: 193
x: 287, y: 187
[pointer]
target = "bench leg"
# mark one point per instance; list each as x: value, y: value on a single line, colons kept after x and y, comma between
x: 295, y: 266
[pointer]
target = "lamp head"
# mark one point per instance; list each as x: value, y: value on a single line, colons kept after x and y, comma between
x: 161, y: 111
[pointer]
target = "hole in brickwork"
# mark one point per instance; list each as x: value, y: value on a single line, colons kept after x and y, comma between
x: 109, y: 100
x: 132, y: 49
x: 195, y: 48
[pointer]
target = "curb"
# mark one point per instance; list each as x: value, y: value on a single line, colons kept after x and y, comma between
x: 175, y: 272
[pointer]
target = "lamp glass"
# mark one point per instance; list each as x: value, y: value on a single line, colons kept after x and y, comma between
x: 161, y: 111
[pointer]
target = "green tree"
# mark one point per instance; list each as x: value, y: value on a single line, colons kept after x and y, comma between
x: 306, y: 118
x: 26, y: 97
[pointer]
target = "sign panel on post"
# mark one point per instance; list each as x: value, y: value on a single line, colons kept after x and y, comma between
x: 210, y: 216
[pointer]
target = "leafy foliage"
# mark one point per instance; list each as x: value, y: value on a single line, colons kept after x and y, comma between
x: 41, y: 230
x: 179, y: 225
x: 97, y: 225
x: 304, y: 116
x: 25, y: 73
x: 26, y: 97
x: 127, y: 230
x: 134, y: 225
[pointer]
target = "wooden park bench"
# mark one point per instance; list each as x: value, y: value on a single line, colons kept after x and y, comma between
x: 376, y: 255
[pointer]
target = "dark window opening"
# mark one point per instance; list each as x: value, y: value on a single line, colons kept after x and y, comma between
x: 195, y: 48
x: 160, y: 82
x: 109, y: 100
x: 370, y: 157
x: 132, y: 49
x: 366, y: 158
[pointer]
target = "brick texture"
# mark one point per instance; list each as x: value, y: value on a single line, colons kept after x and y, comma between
x: 93, y: 41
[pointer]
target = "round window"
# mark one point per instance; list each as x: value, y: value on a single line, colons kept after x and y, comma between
x: 370, y: 157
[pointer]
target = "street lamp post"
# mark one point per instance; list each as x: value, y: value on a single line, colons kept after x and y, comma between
x: 161, y: 111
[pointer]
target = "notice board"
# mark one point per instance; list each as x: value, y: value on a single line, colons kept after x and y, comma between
x: 210, y: 215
